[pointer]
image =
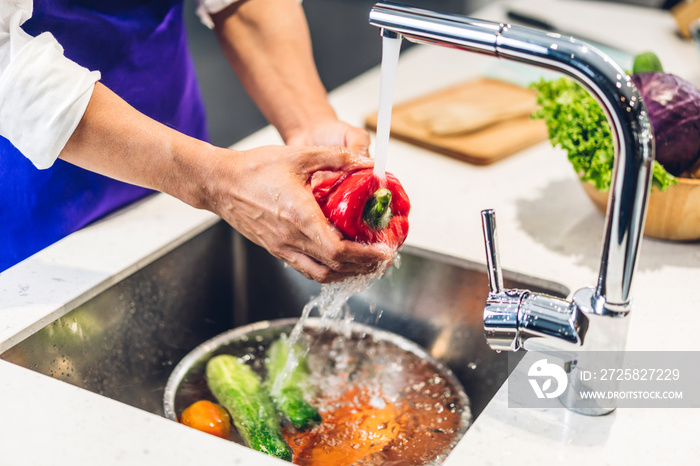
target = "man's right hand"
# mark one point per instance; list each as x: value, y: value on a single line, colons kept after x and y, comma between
x: 265, y: 194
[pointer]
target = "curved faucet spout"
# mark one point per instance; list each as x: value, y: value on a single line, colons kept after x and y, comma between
x: 633, y: 136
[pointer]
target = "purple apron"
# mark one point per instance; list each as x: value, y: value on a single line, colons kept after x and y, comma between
x: 140, y: 48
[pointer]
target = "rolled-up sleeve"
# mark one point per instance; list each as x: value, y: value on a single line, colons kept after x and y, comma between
x: 206, y: 8
x: 43, y: 94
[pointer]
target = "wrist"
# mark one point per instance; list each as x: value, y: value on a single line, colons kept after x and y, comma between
x: 193, y: 177
x: 301, y: 126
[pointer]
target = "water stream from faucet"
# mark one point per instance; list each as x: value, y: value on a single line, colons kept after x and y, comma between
x: 332, y: 301
x: 391, y: 47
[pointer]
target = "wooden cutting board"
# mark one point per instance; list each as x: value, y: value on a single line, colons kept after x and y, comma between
x: 480, y: 121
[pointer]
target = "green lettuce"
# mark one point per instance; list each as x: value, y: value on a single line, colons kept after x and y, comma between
x: 576, y: 123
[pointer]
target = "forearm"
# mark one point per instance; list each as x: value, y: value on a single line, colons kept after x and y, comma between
x: 264, y: 193
x: 117, y: 141
x: 268, y: 44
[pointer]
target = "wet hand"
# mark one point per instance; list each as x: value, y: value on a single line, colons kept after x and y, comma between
x: 332, y: 132
x: 265, y: 194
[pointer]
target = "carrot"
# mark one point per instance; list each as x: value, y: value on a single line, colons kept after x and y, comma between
x: 353, y: 431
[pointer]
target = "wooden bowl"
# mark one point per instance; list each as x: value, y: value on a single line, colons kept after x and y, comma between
x: 673, y: 214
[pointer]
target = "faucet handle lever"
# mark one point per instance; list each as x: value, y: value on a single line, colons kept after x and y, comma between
x: 493, y: 262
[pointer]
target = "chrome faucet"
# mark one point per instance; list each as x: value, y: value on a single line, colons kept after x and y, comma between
x: 596, y: 319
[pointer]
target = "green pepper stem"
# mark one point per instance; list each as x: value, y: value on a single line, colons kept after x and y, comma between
x: 377, y: 213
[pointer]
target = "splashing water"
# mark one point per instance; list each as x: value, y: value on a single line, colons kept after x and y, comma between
x: 379, y: 404
x: 390, y: 59
x: 332, y: 307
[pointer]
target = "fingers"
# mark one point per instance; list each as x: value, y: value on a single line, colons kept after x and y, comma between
x: 357, y: 140
x: 357, y: 257
x: 323, y: 181
x: 326, y: 245
x: 273, y: 206
x: 332, y: 159
x: 330, y: 133
x: 360, y: 263
x: 331, y: 271
x: 329, y: 247
x: 313, y: 236
x: 315, y: 271
x: 301, y: 235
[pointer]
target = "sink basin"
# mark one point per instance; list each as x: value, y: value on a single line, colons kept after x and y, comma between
x: 124, y: 342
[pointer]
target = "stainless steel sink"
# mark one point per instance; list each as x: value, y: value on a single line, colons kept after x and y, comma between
x: 125, y: 342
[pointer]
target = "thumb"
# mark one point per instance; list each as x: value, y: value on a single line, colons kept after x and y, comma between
x: 357, y: 140
x: 335, y: 159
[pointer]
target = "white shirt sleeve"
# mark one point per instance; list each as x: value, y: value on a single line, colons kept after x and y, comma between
x: 206, y: 8
x: 43, y: 94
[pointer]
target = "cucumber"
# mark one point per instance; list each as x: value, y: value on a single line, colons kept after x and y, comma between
x: 239, y: 389
x: 289, y: 394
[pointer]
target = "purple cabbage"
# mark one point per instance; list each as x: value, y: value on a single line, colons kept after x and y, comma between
x: 674, y: 109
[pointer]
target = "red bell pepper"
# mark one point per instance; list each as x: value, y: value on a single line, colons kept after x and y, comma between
x: 364, y: 207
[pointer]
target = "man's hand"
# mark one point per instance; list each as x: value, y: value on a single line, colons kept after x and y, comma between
x: 332, y: 132
x: 265, y: 194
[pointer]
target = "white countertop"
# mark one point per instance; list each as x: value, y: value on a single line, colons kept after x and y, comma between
x: 547, y: 228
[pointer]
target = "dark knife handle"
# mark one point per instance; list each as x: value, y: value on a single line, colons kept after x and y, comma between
x: 530, y: 21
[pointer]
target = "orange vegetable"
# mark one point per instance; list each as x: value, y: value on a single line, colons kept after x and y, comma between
x: 348, y: 434
x: 208, y: 417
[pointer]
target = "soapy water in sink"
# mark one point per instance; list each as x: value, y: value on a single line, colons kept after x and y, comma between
x: 380, y: 402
